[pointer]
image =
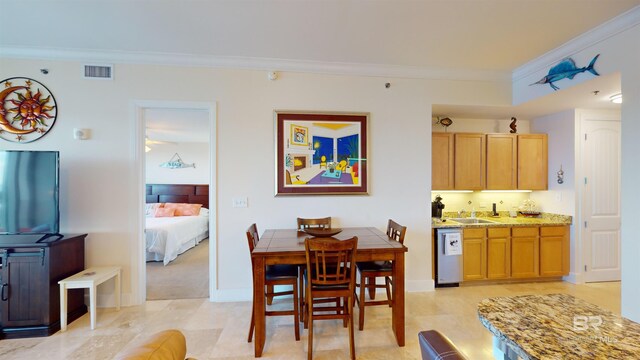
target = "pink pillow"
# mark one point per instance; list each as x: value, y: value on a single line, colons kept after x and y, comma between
x: 165, y: 212
x: 184, y: 209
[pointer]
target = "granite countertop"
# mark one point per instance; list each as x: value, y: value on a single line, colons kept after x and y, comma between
x: 504, y: 220
x: 559, y: 326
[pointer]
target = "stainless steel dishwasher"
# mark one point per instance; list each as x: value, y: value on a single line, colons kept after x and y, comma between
x: 448, y: 266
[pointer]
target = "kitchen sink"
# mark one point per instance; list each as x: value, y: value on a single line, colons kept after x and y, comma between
x: 471, y: 221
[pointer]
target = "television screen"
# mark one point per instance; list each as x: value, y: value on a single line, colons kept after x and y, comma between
x: 29, y: 192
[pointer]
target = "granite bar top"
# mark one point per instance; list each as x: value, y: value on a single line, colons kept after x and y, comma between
x: 559, y: 326
x: 544, y: 219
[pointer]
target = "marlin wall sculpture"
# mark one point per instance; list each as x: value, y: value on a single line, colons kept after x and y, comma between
x: 566, y: 69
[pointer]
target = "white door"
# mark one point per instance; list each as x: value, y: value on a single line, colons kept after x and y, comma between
x: 601, y: 200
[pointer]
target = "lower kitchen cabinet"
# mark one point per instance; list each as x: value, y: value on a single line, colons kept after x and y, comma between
x: 498, y: 253
x: 525, y: 252
x: 554, y: 251
x: 474, y: 258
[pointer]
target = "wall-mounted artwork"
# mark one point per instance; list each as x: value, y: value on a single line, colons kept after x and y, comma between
x: 321, y: 153
x: 566, y: 69
x: 27, y: 110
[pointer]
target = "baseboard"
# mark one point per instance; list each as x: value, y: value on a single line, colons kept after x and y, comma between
x: 574, y: 278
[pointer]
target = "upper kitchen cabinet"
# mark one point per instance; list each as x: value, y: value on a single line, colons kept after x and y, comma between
x: 442, y: 161
x: 532, y: 162
x: 502, y: 161
x: 469, y: 162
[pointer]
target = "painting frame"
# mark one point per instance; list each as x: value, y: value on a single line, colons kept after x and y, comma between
x: 333, y: 160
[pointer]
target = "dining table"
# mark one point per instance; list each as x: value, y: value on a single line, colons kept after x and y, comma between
x: 286, y: 246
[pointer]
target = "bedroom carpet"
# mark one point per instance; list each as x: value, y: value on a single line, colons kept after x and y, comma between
x: 186, y: 277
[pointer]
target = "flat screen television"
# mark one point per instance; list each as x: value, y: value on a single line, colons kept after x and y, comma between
x: 29, y: 192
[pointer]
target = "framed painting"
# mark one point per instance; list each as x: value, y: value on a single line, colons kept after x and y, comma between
x: 321, y: 153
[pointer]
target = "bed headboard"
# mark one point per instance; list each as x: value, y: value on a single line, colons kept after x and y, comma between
x: 191, y: 194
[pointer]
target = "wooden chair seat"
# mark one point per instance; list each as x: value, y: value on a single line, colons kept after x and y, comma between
x: 375, y: 266
x: 276, y: 272
x: 370, y: 270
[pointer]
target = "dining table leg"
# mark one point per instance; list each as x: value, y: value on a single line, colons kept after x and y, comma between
x: 259, y: 304
x: 397, y: 315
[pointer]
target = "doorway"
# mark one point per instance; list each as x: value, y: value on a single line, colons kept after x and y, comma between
x: 601, y: 197
x: 158, y: 130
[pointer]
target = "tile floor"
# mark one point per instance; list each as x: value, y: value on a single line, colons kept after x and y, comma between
x: 219, y: 330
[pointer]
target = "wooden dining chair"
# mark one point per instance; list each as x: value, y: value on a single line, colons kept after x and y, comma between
x: 330, y: 274
x: 370, y: 270
x: 304, y: 223
x: 275, y: 275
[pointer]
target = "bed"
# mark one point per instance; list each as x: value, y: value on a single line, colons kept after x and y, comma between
x: 168, y: 237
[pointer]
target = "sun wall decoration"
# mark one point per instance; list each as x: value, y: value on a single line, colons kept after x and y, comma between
x: 27, y: 110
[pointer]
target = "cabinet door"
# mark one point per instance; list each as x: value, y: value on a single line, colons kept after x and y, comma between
x: 24, y: 289
x: 474, y: 254
x: 442, y: 161
x: 470, y: 157
x: 502, y: 161
x: 532, y: 162
x: 554, y: 251
x: 524, y: 257
x: 498, y: 253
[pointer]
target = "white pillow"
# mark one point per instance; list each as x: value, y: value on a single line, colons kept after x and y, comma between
x: 150, y: 209
x: 204, y: 212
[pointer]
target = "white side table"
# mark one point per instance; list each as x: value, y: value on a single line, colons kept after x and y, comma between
x: 88, y: 279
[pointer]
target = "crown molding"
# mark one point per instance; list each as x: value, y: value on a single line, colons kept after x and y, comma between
x: 620, y: 23
x: 249, y: 63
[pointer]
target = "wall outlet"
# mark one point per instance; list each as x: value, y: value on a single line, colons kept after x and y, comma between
x: 558, y: 196
x: 240, y: 202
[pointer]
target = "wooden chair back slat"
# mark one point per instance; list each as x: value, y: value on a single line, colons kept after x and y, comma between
x: 396, y: 231
x: 331, y: 259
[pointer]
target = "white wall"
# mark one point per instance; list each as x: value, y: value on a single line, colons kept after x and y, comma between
x: 197, y: 153
x: 619, y: 52
x: 560, y: 128
x: 562, y: 198
x: 99, y: 176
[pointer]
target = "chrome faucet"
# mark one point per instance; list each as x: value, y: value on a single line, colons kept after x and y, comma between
x: 461, y: 212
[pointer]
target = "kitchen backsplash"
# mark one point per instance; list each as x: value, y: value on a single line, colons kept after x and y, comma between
x: 481, y: 201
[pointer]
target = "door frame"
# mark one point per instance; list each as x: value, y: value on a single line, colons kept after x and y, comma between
x: 138, y: 252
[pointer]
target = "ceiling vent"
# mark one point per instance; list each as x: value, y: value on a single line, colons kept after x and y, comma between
x: 102, y: 72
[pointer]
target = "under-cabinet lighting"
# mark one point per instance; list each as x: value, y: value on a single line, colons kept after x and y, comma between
x: 451, y: 191
x: 505, y: 191
x: 616, y: 98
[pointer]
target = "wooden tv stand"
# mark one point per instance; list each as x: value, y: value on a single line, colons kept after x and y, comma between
x: 29, y: 275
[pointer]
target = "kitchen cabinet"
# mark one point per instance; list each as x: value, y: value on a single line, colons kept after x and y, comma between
x: 502, y: 162
x: 554, y: 250
x: 532, y: 162
x: 29, y: 274
x: 498, y: 253
x: 442, y: 153
x: 474, y: 254
x: 525, y: 254
x: 469, y: 161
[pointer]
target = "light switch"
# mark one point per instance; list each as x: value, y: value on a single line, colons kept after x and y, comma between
x: 240, y: 202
